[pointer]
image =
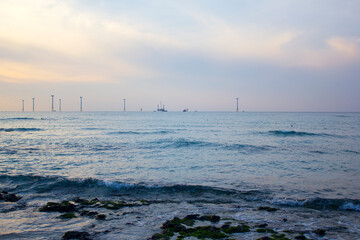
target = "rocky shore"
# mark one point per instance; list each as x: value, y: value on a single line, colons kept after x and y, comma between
x: 190, y: 226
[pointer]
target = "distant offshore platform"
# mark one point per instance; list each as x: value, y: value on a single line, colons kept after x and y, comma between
x: 161, y: 108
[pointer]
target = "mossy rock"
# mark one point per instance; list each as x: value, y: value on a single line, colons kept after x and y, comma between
x: 76, y: 235
x: 145, y: 202
x: 64, y: 206
x: 204, y: 232
x: 67, y: 215
x: 238, y: 229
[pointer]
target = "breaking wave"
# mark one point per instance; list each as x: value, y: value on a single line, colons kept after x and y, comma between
x: 320, y: 203
x: 193, y: 193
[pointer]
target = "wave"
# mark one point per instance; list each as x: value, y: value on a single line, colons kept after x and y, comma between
x: 320, y: 203
x: 191, y: 193
x: 178, y: 143
x: 189, y: 143
x: 41, y: 184
x: 18, y: 118
x: 247, y: 148
x: 351, y: 151
x: 20, y: 129
x: 139, y: 133
x: 295, y: 133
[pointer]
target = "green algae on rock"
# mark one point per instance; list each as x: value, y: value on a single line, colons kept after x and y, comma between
x: 64, y: 206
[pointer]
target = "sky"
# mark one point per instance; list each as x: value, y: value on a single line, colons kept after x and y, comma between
x: 278, y: 55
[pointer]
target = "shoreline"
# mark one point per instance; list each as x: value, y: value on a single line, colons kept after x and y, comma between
x: 118, y: 217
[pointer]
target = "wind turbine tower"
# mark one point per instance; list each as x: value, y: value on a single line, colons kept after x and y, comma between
x: 52, y: 103
x: 124, y: 105
x: 237, y: 104
x: 22, y: 105
x: 81, y: 104
x: 33, y: 104
x: 59, y: 104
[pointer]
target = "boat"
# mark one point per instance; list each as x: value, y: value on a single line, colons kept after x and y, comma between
x: 161, y: 108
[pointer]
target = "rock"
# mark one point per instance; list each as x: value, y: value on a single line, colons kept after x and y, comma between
x: 237, y: 229
x: 64, y: 206
x: 263, y: 225
x: 204, y: 232
x: 67, y: 215
x: 88, y: 213
x: 193, y: 216
x: 174, y: 225
x: 211, y: 218
x: 265, y: 230
x: 284, y: 219
x: 269, y: 209
x: 101, y: 217
x: 300, y: 237
x: 76, y: 235
x: 320, y: 232
x: 9, y: 197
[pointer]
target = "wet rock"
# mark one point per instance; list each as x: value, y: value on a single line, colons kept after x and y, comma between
x: 100, y: 217
x: 265, y: 230
x: 263, y: 225
x: 238, y: 229
x: 64, y: 206
x: 211, y: 218
x: 145, y: 202
x: 320, y: 232
x: 76, y: 235
x: 278, y: 236
x: 193, y: 216
x: 173, y: 225
x: 268, y: 209
x: 9, y: 197
x: 284, y: 219
x: 204, y: 232
x: 88, y: 213
x: 67, y: 215
x: 300, y: 237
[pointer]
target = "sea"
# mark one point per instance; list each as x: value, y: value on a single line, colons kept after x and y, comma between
x: 305, y: 166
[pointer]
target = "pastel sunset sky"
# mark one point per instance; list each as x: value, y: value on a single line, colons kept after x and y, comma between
x: 278, y: 55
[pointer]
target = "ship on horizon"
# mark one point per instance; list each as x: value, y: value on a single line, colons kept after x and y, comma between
x: 161, y: 108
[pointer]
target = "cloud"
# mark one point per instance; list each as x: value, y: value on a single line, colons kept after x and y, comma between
x: 50, y: 41
x: 336, y: 52
x: 58, y: 41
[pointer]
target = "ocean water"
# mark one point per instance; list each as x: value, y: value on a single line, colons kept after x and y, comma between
x: 305, y: 164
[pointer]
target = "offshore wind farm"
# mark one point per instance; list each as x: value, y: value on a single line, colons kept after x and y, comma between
x: 179, y: 120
